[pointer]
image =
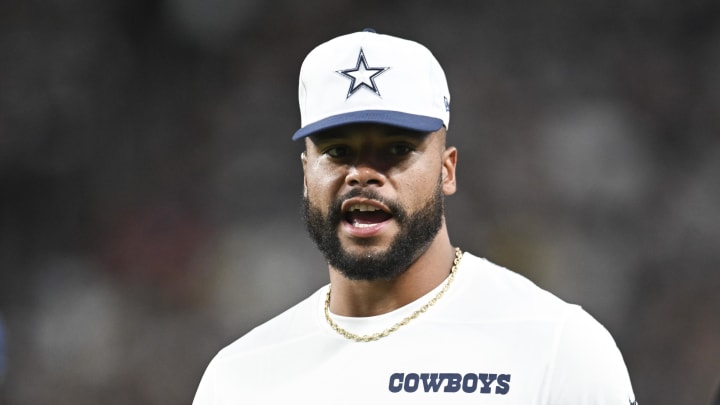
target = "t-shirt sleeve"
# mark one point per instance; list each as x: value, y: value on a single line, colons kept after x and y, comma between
x: 589, y: 368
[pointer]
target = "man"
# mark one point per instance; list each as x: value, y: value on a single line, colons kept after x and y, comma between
x: 407, y: 317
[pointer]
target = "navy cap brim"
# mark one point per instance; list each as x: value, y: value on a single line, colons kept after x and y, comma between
x: 395, y: 118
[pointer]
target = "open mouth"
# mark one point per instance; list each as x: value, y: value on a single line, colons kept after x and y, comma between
x: 365, y: 215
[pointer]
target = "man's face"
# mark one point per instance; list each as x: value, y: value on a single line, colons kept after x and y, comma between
x: 374, y: 196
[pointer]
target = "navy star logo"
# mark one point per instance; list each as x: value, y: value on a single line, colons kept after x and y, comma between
x: 362, y: 76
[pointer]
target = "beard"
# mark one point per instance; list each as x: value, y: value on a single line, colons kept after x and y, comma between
x: 417, y: 231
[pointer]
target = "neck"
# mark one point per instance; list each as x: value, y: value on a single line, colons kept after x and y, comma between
x: 361, y: 298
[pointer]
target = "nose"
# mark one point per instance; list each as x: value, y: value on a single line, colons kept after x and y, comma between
x: 364, y: 174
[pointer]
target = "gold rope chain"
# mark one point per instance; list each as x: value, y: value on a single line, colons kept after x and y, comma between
x: 386, y: 332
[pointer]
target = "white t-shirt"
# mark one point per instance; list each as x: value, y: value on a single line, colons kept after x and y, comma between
x: 493, y: 338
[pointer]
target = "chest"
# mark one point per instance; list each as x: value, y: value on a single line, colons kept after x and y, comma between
x: 434, y: 364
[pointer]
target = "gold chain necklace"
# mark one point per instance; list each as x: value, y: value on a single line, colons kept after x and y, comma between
x: 380, y: 335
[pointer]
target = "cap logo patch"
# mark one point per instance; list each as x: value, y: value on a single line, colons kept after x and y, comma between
x: 362, y: 76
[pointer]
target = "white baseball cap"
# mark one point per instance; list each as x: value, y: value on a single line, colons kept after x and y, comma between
x: 365, y: 77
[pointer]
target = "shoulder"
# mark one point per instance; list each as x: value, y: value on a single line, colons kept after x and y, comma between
x: 515, y: 297
x: 511, y: 294
x: 294, y: 323
x: 584, y: 361
x: 263, y: 348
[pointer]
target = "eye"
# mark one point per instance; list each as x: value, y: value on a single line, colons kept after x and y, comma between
x: 338, y: 151
x: 400, y: 149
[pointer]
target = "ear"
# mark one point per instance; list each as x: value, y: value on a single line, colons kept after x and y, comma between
x: 303, y: 160
x: 449, y: 164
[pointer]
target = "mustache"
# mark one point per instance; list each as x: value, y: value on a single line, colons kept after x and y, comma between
x: 395, y: 208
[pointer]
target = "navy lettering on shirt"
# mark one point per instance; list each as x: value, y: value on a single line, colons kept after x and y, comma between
x: 482, y: 383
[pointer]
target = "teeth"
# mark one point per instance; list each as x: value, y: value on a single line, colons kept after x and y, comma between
x: 363, y: 207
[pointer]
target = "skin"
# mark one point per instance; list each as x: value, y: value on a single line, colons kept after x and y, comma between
x: 400, y: 165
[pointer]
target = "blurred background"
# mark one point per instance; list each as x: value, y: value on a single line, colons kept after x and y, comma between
x: 149, y: 190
